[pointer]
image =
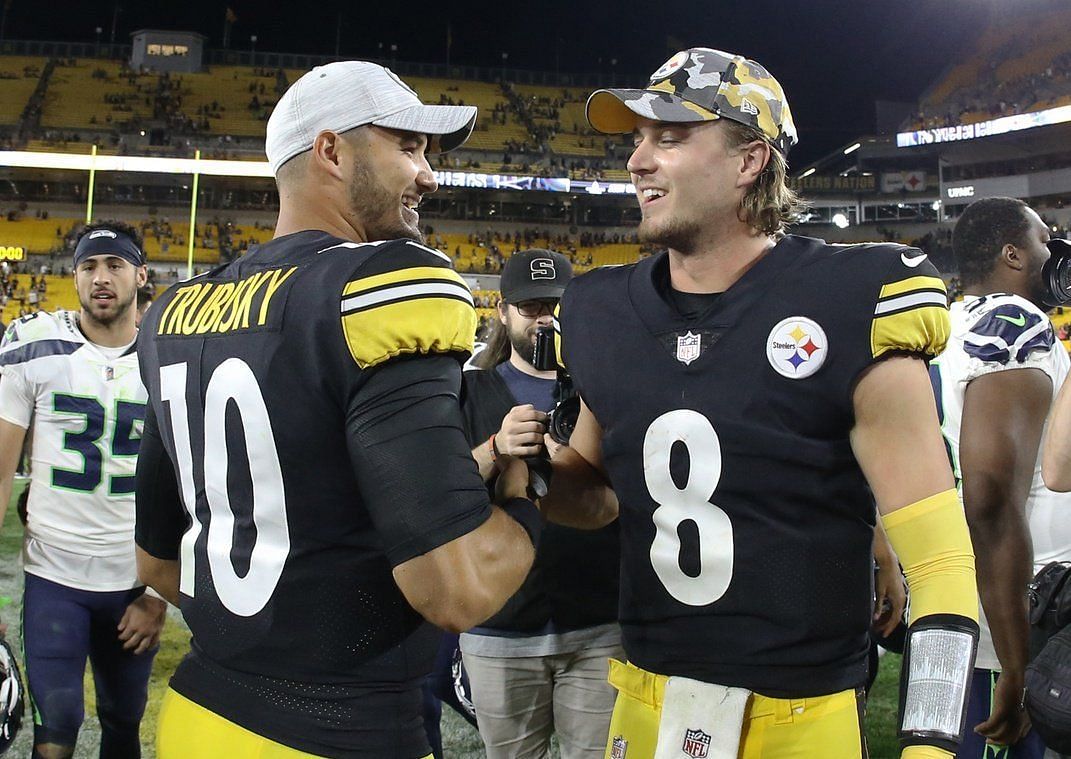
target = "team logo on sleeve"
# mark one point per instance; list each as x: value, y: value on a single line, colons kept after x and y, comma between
x: 618, y: 747
x: 797, y: 347
x: 696, y: 744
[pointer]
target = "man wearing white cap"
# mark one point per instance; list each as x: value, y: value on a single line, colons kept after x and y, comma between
x: 305, y: 490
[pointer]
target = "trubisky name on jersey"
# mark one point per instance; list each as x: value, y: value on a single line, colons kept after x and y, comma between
x: 206, y: 308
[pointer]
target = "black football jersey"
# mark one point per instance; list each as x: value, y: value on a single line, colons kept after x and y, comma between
x: 307, y: 395
x: 746, y: 521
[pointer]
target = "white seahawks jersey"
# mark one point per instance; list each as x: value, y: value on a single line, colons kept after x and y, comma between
x: 994, y: 333
x: 86, y: 405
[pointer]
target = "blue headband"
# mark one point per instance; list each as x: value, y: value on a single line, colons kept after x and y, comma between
x: 105, y: 242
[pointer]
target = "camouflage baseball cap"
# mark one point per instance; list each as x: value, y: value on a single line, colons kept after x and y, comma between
x: 700, y: 84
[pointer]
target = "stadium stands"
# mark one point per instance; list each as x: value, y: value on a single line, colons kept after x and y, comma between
x: 1019, y: 66
x: 230, y: 100
x: 541, y: 130
x: 18, y: 79
x: 90, y: 94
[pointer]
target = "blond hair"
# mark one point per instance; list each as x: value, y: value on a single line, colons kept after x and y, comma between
x: 769, y: 205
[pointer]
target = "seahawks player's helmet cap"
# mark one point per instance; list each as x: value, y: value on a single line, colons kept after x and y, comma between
x: 108, y: 242
x: 700, y: 84
x: 347, y: 94
x: 535, y: 274
x: 12, y: 701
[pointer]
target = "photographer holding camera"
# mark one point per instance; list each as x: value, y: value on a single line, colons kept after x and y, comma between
x: 540, y: 665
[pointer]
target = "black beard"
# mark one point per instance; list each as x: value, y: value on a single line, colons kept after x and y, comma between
x: 372, y: 203
x: 109, y: 319
x: 523, y: 345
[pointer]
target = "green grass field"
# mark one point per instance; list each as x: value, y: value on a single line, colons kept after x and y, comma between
x: 460, y: 741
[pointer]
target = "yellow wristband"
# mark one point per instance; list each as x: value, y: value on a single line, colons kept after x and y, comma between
x: 925, y: 752
x: 934, y: 545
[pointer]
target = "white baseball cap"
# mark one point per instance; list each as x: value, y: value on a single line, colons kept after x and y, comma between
x: 347, y: 94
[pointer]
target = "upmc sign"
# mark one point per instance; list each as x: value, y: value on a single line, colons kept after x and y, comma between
x: 959, y: 193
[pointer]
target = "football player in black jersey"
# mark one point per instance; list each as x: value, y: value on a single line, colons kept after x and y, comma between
x: 305, y: 491
x: 749, y: 395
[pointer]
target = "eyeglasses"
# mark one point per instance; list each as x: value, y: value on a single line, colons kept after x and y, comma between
x: 531, y: 309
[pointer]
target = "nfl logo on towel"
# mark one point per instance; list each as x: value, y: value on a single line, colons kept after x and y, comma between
x: 696, y: 743
x: 618, y: 748
x: 687, y: 348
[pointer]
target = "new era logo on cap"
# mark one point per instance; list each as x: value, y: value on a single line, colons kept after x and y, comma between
x: 345, y: 95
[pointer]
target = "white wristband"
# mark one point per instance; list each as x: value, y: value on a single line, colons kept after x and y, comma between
x: 153, y: 594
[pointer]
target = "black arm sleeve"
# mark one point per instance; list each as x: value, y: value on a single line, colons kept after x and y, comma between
x: 161, y: 518
x: 410, y: 456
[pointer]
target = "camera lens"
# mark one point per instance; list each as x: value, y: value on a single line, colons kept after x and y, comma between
x: 563, y: 420
x: 1057, y: 273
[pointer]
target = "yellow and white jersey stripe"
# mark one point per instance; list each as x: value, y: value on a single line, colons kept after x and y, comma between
x: 911, y: 315
x: 418, y: 309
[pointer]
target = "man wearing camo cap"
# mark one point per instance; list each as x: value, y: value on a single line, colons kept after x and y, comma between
x: 764, y: 391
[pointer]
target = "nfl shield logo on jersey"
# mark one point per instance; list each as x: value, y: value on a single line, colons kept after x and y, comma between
x: 688, y: 346
x: 797, y: 347
x: 618, y: 747
x: 696, y: 743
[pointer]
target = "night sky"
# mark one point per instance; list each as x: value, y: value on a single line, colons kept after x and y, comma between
x: 833, y: 57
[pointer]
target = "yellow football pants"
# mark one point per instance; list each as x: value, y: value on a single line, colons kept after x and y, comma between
x: 825, y: 727
x: 189, y: 731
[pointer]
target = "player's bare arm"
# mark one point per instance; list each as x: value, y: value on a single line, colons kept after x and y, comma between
x: 464, y: 582
x: 896, y: 432
x: 1003, y: 418
x: 890, y: 592
x: 161, y: 575
x: 12, y: 437
x: 157, y: 501
x: 580, y: 494
x: 898, y: 444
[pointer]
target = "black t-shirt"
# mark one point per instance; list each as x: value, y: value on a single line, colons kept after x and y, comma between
x: 574, y: 580
x: 526, y: 388
x: 691, y: 305
x: 307, y: 395
x: 746, y: 523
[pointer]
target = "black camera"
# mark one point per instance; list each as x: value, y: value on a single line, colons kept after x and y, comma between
x: 1057, y: 273
x: 562, y: 418
x: 566, y: 411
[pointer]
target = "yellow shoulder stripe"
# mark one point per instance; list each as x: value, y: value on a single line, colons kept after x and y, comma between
x: 911, y: 315
x: 558, y: 355
x: 424, y: 309
x: 402, y: 276
x: 912, y: 283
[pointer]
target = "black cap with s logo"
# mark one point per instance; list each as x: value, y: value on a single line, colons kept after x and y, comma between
x: 535, y: 274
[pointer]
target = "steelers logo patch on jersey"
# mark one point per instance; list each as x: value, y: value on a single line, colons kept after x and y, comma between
x: 797, y: 347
